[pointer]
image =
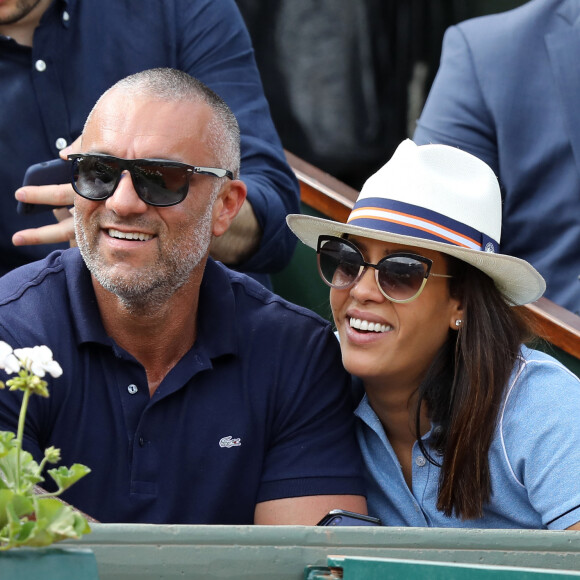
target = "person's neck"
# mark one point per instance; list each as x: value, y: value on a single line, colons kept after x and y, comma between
x: 395, y: 406
x: 396, y: 409
x: 22, y: 31
x: 157, y: 337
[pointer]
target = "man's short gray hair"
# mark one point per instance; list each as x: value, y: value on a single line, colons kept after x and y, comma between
x: 168, y: 84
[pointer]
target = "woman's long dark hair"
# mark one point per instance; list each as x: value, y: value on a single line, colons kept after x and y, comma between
x: 464, y: 389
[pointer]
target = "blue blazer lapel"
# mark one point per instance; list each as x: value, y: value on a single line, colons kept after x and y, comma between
x: 564, y: 52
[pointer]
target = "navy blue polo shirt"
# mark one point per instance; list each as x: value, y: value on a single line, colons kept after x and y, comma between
x: 82, y: 47
x: 257, y: 410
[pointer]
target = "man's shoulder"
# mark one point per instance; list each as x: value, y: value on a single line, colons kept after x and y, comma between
x: 253, y: 295
x: 35, y: 301
x: 526, y: 19
x: 37, y: 278
x: 237, y: 314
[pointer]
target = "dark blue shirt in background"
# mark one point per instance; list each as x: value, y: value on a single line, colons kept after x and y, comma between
x: 258, y: 409
x: 81, y: 48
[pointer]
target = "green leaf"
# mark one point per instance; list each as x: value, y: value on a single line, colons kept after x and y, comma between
x: 27, y: 519
x: 6, y: 442
x: 81, y: 526
x: 29, y: 470
x: 8, y: 451
x: 53, y: 521
x: 17, y: 504
x: 56, y: 521
x: 18, y: 529
x: 67, y: 476
x: 16, y: 533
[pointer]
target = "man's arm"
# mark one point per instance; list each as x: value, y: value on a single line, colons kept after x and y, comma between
x: 313, y: 463
x: 455, y: 112
x: 215, y: 47
x: 307, y: 510
x: 241, y: 240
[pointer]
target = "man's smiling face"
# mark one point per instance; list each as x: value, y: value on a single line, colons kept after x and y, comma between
x: 139, y: 252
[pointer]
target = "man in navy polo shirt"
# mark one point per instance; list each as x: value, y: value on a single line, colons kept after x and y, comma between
x: 193, y: 393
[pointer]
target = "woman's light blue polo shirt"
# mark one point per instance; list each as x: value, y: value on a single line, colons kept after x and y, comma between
x: 534, y: 458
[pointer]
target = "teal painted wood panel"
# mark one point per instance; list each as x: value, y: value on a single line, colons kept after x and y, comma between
x: 391, y: 569
x: 48, y: 564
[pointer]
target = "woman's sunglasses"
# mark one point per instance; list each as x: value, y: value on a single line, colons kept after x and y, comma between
x: 400, y: 277
x: 157, y: 182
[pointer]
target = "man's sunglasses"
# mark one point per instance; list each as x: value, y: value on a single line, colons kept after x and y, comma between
x: 400, y: 277
x: 157, y: 182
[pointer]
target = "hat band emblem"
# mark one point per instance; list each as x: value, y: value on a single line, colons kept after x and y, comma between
x: 397, y: 217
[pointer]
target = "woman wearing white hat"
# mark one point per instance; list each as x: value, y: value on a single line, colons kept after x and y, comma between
x: 459, y: 424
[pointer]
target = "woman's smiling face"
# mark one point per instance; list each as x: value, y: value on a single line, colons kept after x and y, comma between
x: 386, y: 341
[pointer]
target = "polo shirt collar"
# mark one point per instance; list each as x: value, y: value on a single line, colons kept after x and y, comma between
x: 83, y: 302
x: 216, y: 335
x: 63, y: 4
x: 216, y: 319
x: 367, y: 415
x: 69, y: 6
x: 58, y: 8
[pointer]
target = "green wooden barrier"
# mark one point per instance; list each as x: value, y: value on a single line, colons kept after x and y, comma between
x: 153, y: 552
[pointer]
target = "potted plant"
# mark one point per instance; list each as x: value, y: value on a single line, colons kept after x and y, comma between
x: 29, y: 518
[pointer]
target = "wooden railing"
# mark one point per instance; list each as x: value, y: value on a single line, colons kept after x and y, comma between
x: 334, y: 199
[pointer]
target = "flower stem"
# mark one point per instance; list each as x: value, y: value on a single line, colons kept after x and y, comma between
x: 20, y: 434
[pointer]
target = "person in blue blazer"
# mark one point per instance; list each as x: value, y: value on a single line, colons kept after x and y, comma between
x: 508, y: 91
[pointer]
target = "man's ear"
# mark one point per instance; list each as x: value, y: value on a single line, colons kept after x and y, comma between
x: 227, y: 205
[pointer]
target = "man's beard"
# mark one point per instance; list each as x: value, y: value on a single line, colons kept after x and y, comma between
x: 151, y: 286
x: 22, y: 9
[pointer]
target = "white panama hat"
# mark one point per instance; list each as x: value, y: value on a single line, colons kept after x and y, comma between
x: 436, y: 197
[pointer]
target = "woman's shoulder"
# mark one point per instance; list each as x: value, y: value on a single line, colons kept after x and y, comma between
x: 535, y: 364
x: 539, y: 436
x: 539, y: 383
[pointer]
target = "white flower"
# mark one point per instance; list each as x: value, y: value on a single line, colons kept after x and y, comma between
x: 38, y: 360
x: 8, y: 361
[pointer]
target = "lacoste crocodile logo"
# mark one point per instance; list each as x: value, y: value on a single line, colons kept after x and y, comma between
x: 229, y: 441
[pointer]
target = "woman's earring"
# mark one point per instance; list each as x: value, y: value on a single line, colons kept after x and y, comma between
x: 458, y: 322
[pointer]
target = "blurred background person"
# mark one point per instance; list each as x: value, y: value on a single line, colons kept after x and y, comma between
x: 347, y: 80
x: 507, y: 91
